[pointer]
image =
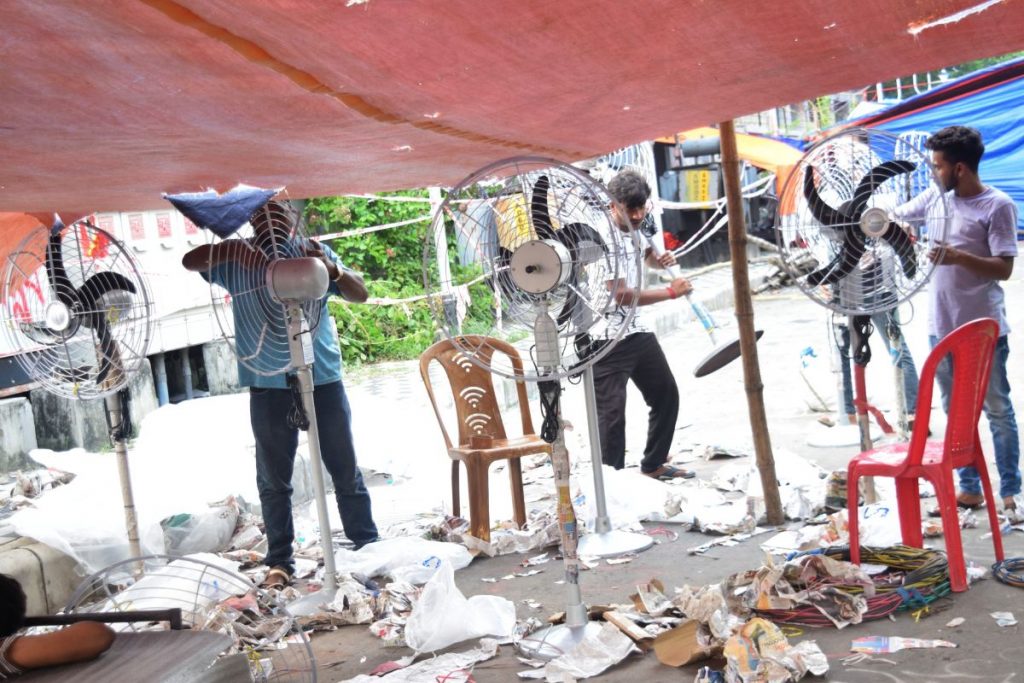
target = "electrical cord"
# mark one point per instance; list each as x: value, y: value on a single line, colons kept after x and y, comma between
x: 549, y: 396
x: 1010, y: 571
x: 297, y: 418
x: 123, y: 429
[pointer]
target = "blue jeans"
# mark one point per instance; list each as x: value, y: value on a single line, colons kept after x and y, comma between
x: 1001, y: 420
x: 899, y: 356
x: 276, y: 442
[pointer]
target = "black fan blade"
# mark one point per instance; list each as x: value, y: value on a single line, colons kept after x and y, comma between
x: 539, y: 213
x: 105, y: 345
x: 840, y: 266
x: 55, y: 270
x: 501, y: 277
x: 821, y: 211
x: 571, y: 302
x: 103, y: 283
x: 870, y: 182
x: 901, y: 243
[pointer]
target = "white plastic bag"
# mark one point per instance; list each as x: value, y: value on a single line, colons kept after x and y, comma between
x: 410, y: 559
x: 443, y: 616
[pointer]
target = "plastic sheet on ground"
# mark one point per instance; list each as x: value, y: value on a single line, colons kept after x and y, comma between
x: 408, y: 559
x: 760, y: 653
x: 443, y: 615
x: 879, y: 527
x: 593, y: 655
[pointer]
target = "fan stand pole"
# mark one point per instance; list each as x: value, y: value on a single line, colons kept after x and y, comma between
x: 604, y: 541
x: 131, y: 522
x: 558, y: 639
x: 861, y: 403
x: 300, y: 344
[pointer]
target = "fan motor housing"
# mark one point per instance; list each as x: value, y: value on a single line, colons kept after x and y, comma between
x: 539, y: 266
x: 297, y: 279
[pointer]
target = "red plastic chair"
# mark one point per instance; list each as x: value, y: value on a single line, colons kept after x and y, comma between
x: 970, y: 348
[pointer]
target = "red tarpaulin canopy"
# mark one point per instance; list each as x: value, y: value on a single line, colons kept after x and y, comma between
x: 106, y: 104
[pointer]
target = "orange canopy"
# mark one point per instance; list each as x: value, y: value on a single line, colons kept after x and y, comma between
x: 106, y: 104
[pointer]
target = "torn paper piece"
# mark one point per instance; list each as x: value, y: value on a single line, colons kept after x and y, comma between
x: 436, y: 668
x: 880, y: 645
x: 593, y: 655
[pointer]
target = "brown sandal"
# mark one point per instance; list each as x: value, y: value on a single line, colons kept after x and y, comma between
x: 277, y: 578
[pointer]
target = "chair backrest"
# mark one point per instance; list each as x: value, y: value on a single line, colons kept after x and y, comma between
x: 476, y: 405
x: 969, y: 348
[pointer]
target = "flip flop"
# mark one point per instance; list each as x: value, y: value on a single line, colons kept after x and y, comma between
x: 668, y: 473
x: 277, y: 578
x: 935, y: 512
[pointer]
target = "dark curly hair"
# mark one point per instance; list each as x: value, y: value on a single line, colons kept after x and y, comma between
x: 630, y: 189
x: 959, y: 145
x: 12, y: 605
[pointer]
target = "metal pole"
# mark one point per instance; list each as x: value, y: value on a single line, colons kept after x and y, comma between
x: 131, y: 522
x: 160, y: 370
x: 745, y: 319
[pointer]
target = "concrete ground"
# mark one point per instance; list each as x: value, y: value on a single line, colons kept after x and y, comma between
x: 714, y: 410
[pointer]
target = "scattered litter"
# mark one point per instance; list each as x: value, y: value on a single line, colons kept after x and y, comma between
x: 414, y: 560
x: 953, y: 623
x: 714, y: 451
x: 439, y: 668
x: 727, y: 541
x: 650, y: 599
x: 760, y: 652
x: 536, y: 559
x: 489, y: 579
x: 621, y: 559
x: 881, y: 645
x: 689, y: 642
x: 532, y: 604
x: 1004, y: 618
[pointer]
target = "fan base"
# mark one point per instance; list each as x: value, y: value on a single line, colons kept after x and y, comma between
x: 615, y: 542
x: 721, y: 356
x: 554, y: 641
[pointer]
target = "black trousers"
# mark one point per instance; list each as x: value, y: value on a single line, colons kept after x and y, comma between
x: 636, y: 357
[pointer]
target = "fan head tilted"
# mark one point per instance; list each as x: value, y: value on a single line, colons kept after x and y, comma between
x: 863, y: 208
x: 76, y: 309
x: 530, y: 247
x: 251, y: 318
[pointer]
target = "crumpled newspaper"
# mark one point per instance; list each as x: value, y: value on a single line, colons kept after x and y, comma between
x: 760, y: 653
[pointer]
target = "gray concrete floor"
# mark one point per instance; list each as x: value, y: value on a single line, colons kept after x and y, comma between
x: 714, y: 410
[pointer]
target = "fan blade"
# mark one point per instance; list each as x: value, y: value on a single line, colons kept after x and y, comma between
x: 55, y: 270
x: 840, y: 266
x: 571, y: 302
x: 103, y: 283
x: 821, y: 211
x: 901, y: 243
x: 109, y: 356
x: 539, y: 214
x: 871, y: 181
x: 571, y: 236
x: 500, y: 277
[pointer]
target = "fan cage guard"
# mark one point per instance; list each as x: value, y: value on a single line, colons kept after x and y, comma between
x: 251, y: 320
x: 59, y: 347
x: 477, y: 229
x: 915, y: 200
x: 208, y: 596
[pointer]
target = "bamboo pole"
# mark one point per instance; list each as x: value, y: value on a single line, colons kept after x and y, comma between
x: 745, y: 319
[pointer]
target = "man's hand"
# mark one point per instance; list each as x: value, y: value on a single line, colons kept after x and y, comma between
x: 946, y: 256
x: 681, y: 286
x: 313, y: 250
x: 667, y: 259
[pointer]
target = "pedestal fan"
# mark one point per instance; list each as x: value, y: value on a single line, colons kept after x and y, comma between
x: 867, y: 206
x: 77, y: 311
x: 541, y: 235
x: 276, y: 302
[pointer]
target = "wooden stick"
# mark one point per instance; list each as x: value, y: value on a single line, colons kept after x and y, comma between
x: 745, y: 320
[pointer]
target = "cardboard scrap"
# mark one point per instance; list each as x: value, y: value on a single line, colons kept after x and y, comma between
x: 642, y: 638
x: 687, y: 643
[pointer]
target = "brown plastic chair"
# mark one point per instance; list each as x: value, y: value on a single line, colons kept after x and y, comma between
x: 482, y: 438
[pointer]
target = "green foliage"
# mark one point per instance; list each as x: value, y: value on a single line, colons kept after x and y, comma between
x: 391, y: 262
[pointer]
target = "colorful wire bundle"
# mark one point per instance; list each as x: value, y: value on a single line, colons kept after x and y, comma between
x: 916, y: 577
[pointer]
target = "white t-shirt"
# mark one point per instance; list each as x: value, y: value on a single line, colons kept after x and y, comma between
x: 983, y: 225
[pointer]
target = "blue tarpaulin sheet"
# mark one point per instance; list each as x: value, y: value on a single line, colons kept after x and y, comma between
x: 221, y: 214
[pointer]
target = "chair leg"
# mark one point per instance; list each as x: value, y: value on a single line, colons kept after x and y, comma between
x: 515, y: 474
x: 908, y: 500
x: 852, y: 512
x: 479, y: 501
x: 990, y: 503
x: 946, y: 495
x: 456, y: 507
